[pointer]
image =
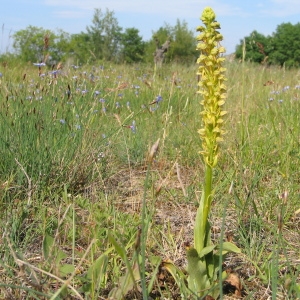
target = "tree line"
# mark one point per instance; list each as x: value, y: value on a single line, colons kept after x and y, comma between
x: 281, y: 48
x: 103, y: 40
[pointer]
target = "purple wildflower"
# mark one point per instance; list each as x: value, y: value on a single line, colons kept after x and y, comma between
x: 42, y: 64
x: 157, y: 100
x: 133, y: 127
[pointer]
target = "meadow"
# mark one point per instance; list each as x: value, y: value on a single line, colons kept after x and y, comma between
x: 89, y: 154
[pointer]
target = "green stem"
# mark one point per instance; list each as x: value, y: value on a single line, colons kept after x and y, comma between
x: 144, y: 231
x: 201, y: 222
x: 207, y: 192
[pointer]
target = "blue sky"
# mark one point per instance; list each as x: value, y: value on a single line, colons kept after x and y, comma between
x: 238, y: 18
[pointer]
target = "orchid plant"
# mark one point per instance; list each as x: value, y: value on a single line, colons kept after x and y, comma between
x: 205, y: 258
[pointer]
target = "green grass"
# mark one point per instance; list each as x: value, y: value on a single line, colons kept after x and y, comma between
x: 73, y: 177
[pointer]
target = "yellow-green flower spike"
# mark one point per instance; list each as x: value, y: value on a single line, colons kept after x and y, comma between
x: 211, y: 85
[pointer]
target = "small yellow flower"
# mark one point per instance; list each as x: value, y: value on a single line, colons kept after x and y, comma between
x: 211, y: 86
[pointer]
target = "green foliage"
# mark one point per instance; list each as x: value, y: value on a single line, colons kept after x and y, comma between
x: 257, y: 47
x: 80, y: 48
x: 105, y: 34
x: 183, y: 49
x: 281, y: 48
x: 57, y: 133
x: 183, y: 43
x: 286, y: 45
x: 204, y: 261
x: 104, y: 41
x: 132, y: 46
x: 34, y: 43
x: 158, y: 38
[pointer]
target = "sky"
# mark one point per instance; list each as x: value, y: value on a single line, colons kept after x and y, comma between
x: 238, y: 18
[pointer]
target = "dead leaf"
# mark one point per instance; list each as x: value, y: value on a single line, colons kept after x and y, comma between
x: 233, y: 285
x: 269, y: 82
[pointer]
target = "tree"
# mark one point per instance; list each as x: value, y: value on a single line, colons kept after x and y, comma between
x: 182, y: 43
x: 281, y: 48
x: 158, y: 38
x: 133, y: 46
x: 286, y: 45
x: 105, y: 35
x: 37, y: 44
x: 257, y: 48
x: 80, y: 48
x: 29, y: 43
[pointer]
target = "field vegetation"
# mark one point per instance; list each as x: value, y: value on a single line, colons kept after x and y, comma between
x: 101, y: 176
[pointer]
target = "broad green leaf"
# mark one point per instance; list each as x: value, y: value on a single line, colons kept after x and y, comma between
x: 97, y: 270
x: 47, y: 245
x: 199, y: 227
x: 229, y: 247
x: 126, y: 283
x: 178, y: 276
x: 155, y: 261
x: 66, y: 269
x: 206, y: 250
x: 122, y: 252
x: 60, y: 256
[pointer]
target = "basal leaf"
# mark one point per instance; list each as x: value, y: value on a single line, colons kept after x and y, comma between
x: 47, y: 245
x: 66, y: 269
x: 206, y: 250
x: 230, y: 247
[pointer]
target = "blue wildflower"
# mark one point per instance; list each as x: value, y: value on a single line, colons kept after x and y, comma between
x: 133, y: 127
x: 54, y: 73
x: 286, y: 88
x: 42, y: 64
x: 157, y: 100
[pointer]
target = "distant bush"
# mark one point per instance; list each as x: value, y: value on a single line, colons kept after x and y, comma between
x: 281, y: 48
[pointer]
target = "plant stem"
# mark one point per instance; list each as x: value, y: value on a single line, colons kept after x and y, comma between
x: 144, y: 231
x: 207, y: 191
x: 201, y: 222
